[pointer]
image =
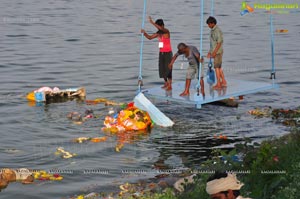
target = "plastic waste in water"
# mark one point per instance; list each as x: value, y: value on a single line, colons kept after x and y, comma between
x: 39, y: 96
x: 156, y: 115
x: 111, y: 111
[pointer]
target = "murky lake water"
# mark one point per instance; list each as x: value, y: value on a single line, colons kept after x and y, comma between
x: 95, y: 44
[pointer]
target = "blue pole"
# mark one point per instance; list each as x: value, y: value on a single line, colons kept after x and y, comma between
x: 212, y: 8
x: 141, y: 48
x: 201, y: 39
x: 272, y: 44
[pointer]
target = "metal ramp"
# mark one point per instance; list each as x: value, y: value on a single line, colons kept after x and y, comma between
x: 234, y: 88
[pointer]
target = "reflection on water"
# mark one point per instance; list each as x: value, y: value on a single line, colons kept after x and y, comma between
x: 126, y: 137
x: 220, y: 92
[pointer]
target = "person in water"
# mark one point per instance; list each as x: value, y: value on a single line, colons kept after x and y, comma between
x: 216, y: 51
x: 193, y: 56
x: 165, y: 51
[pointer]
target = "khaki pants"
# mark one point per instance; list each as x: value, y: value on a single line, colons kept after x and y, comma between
x: 218, y: 60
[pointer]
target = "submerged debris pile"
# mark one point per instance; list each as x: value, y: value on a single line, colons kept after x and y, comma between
x: 44, y: 175
x: 288, y: 117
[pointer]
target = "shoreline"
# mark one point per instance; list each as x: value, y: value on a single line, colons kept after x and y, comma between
x: 268, y: 170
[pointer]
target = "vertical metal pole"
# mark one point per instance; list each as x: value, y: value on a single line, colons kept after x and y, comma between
x: 198, y: 106
x: 201, y: 41
x: 212, y: 8
x: 141, y: 48
x: 272, y: 44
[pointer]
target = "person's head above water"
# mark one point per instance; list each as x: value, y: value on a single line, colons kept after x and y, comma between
x: 223, y: 186
x: 159, y: 22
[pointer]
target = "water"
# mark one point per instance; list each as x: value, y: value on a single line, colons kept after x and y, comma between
x: 95, y: 44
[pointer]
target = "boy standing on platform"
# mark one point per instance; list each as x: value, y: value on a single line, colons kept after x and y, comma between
x: 216, y: 51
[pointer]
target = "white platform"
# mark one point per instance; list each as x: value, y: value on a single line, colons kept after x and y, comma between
x: 234, y: 88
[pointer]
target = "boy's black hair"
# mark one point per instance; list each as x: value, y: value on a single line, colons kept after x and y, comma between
x: 180, y: 46
x: 218, y: 175
x: 211, y: 20
x: 159, y: 22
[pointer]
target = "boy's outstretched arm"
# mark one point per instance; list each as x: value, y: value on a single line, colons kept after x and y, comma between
x: 150, y: 37
x: 172, y: 61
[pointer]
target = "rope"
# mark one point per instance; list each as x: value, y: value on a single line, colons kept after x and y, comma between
x: 201, y: 39
x: 140, y: 82
x: 272, y: 44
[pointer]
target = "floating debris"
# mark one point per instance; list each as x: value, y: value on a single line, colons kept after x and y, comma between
x: 43, y: 176
x: 7, y: 175
x: 98, y: 139
x: 142, y: 188
x: 92, y: 195
x: 221, y: 137
x: 11, y: 151
x: 119, y: 147
x: 78, y: 118
x: 287, y: 117
x: 64, y: 154
x: 95, y: 139
x: 129, y: 119
x: 264, y: 112
x: 47, y: 94
x: 104, y: 101
x: 286, y: 113
x: 81, y: 139
x: 282, y: 31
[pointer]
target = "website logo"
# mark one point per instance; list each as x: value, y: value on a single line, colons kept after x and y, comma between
x: 269, y: 6
x: 272, y: 8
x: 245, y: 9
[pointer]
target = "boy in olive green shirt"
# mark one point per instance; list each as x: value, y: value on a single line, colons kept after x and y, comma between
x: 216, y: 51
